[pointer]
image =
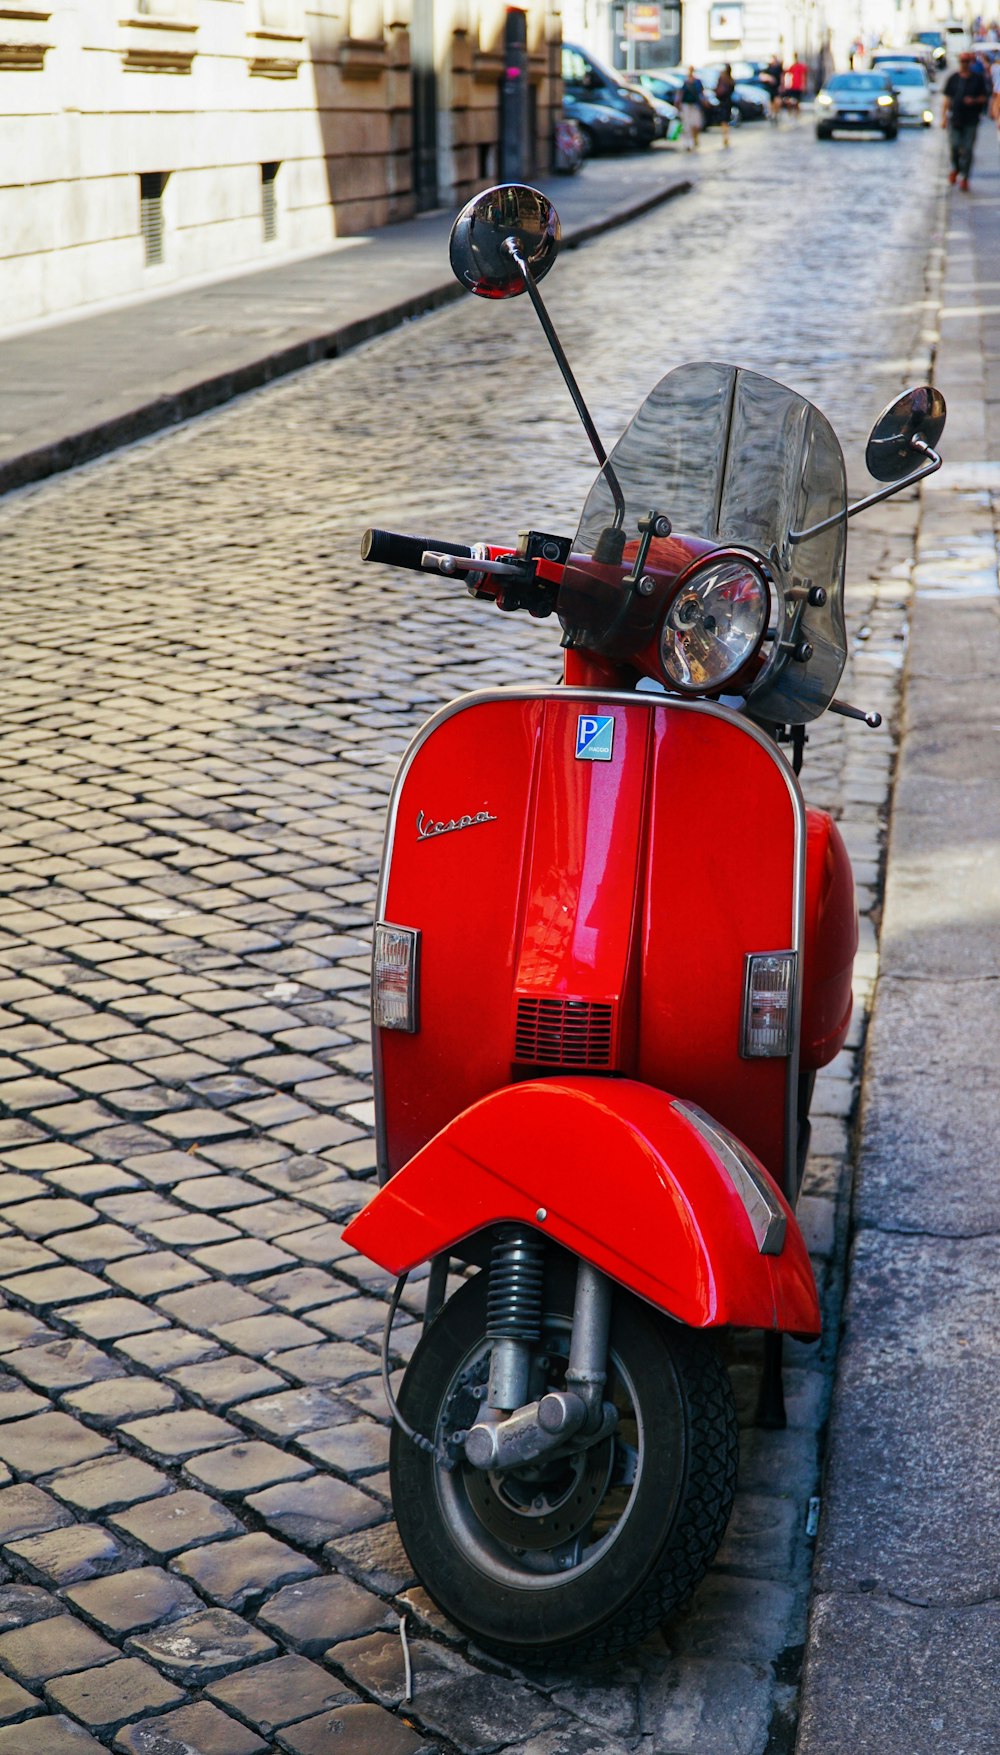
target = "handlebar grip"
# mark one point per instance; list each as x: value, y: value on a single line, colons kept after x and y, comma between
x: 394, y: 550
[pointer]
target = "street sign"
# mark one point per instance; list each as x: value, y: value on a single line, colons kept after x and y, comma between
x: 642, y: 23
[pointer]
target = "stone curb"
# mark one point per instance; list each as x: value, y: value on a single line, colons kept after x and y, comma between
x: 207, y: 393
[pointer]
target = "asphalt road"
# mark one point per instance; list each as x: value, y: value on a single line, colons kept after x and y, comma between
x: 205, y: 694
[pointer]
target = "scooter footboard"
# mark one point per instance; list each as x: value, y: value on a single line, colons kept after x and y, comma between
x: 649, y: 1189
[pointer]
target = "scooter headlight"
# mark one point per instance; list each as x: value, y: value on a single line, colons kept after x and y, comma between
x: 715, y: 624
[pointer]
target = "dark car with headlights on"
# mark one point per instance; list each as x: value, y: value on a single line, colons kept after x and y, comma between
x: 603, y: 129
x: 587, y: 80
x: 857, y: 103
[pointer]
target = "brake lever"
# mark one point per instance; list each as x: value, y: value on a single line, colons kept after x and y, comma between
x: 432, y: 561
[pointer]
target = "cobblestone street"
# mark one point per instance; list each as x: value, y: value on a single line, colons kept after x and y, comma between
x: 205, y: 696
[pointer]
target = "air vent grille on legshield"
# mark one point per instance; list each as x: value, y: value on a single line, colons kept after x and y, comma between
x: 563, y: 1032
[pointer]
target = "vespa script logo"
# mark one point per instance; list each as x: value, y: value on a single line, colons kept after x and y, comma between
x: 427, y: 827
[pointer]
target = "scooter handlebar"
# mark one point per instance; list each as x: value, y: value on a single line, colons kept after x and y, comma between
x: 394, y: 550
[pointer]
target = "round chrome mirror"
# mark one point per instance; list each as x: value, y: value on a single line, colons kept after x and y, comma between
x: 917, y: 414
x: 477, y: 253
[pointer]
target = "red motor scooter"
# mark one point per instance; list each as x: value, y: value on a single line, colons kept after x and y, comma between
x: 613, y: 947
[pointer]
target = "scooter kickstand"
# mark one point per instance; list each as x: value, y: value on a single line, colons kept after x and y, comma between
x: 770, y: 1415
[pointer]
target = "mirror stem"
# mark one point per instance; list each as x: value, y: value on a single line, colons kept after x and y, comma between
x: 933, y: 463
x: 514, y: 252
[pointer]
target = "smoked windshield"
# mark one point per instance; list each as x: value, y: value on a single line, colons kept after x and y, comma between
x: 730, y: 457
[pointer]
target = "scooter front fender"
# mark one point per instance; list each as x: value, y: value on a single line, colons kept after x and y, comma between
x: 646, y: 1187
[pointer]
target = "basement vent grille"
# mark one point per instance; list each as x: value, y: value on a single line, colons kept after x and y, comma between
x: 269, y: 201
x: 563, y: 1032
x: 151, y: 187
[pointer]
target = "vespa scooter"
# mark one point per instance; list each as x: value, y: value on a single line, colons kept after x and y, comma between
x: 613, y: 948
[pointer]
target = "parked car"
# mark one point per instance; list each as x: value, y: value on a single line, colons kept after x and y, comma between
x: 750, y: 101
x: 603, y: 129
x: 749, y: 73
x: 587, y: 80
x: 913, y: 90
x: 855, y: 102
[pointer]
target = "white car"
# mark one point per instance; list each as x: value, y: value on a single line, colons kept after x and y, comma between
x: 911, y: 85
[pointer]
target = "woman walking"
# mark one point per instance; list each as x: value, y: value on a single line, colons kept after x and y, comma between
x: 724, y: 90
x: 692, y: 92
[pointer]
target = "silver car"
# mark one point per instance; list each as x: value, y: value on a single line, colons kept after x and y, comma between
x: 912, y: 87
x: 857, y: 102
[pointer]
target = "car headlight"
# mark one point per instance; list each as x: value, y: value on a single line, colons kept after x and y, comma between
x: 824, y: 100
x: 716, y: 622
x: 928, y: 117
x: 884, y: 101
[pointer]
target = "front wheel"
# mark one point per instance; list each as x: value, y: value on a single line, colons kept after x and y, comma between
x: 573, y: 1558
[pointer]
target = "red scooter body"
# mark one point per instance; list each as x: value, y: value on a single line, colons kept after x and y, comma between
x: 587, y: 923
x: 613, y: 949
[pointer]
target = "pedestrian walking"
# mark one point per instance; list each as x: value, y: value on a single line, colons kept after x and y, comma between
x: 692, y: 109
x: 773, y: 77
x: 796, y: 84
x: 965, y: 100
x: 725, y: 87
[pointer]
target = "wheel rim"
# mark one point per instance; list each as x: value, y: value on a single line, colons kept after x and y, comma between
x: 539, y: 1527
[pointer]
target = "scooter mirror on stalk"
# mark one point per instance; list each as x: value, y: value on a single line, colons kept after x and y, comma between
x: 912, y: 424
x: 479, y: 258
x: 900, y: 451
x: 502, y: 244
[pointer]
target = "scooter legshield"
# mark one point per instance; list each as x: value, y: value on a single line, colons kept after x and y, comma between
x: 620, y: 1174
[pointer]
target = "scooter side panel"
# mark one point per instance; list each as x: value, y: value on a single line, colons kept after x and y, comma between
x: 831, y: 941
x: 720, y: 882
x: 616, y: 1174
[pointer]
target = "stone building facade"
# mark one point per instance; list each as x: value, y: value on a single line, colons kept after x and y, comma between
x: 150, y: 143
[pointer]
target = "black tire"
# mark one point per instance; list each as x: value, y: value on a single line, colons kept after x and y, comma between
x: 890, y: 133
x: 638, y: 1557
x: 824, y: 134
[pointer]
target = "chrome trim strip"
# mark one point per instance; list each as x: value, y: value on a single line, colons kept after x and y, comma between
x: 630, y: 698
x: 767, y: 1220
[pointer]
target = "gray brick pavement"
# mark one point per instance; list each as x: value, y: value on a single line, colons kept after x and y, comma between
x: 204, y: 701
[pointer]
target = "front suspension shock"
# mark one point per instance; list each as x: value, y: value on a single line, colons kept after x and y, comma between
x: 513, y: 1314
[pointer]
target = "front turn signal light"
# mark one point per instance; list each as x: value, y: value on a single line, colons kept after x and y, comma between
x: 395, y: 960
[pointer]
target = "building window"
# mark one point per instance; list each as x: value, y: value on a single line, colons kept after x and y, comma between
x: 279, y: 18
x: 269, y: 201
x: 177, y: 11
x: 151, y: 187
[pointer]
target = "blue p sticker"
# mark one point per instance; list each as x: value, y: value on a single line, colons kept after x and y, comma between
x: 595, y: 736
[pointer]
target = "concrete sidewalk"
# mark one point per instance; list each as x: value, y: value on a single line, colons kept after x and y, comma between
x: 905, y: 1625
x: 70, y: 391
